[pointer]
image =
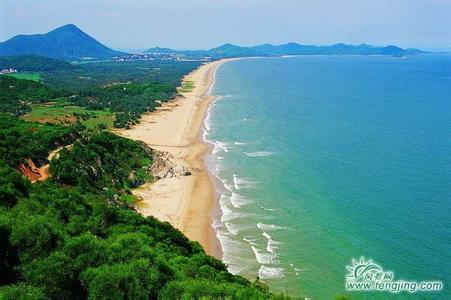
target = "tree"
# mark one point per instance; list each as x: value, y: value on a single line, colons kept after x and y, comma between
x: 135, y: 280
x: 21, y: 292
x: 12, y: 186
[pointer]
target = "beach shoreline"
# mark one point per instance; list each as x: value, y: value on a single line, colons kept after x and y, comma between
x: 186, y: 202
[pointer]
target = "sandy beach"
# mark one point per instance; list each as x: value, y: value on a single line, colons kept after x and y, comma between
x: 184, y: 201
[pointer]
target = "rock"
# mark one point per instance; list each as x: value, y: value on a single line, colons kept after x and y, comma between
x: 134, y: 180
x: 165, y: 166
x: 178, y: 169
x: 132, y: 176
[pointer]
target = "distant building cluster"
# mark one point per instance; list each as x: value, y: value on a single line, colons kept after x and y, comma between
x: 134, y: 57
x: 8, y: 71
x: 158, y: 56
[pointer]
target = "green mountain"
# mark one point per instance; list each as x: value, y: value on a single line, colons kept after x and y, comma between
x: 230, y: 50
x: 67, y: 43
x: 224, y: 51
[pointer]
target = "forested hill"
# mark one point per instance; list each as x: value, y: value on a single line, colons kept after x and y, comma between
x: 230, y: 50
x: 76, y: 235
x: 34, y: 63
x: 67, y: 43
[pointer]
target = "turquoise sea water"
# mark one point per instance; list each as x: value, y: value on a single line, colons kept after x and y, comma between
x: 321, y: 159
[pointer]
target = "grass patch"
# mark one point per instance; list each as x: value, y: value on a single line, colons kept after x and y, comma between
x: 63, y: 112
x: 102, y: 118
x: 27, y: 76
x: 187, y: 86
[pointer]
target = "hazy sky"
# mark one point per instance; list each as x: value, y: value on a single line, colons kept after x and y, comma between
x: 193, y: 24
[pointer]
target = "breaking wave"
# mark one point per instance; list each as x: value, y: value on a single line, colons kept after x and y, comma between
x: 238, y: 201
x: 269, y: 272
x: 240, y: 183
x: 258, y: 153
x: 264, y: 257
x: 267, y: 209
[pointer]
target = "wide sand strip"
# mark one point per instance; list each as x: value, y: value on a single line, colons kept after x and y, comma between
x: 186, y: 201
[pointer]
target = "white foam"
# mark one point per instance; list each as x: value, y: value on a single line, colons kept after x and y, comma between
x: 212, y: 85
x: 264, y: 257
x: 227, y: 186
x: 240, y: 183
x: 239, y: 143
x: 219, y: 97
x: 235, y: 268
x: 267, y: 209
x: 269, y: 272
x: 215, y: 167
x: 220, y: 146
x: 227, y: 213
x: 207, y: 120
x: 238, y: 200
x: 250, y: 241
x: 271, y: 245
x: 269, y: 227
x: 232, y: 228
x: 259, y: 153
x: 230, y: 251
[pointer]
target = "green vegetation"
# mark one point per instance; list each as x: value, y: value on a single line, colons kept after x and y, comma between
x: 33, y: 63
x: 102, y: 162
x: 128, y: 100
x: 17, y: 94
x: 61, y: 111
x: 20, y: 140
x: 127, y: 89
x: 75, y: 236
x: 119, y: 91
x: 26, y: 76
x: 187, y: 86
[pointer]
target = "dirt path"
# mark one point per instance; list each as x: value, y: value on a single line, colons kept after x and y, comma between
x: 42, y: 173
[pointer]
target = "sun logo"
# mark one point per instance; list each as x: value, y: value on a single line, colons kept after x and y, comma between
x: 360, y: 268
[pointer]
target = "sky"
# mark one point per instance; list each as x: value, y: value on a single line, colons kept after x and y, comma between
x: 204, y: 24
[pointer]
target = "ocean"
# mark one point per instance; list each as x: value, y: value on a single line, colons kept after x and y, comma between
x: 322, y: 159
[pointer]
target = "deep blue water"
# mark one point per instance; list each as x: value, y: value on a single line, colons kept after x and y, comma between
x: 327, y: 158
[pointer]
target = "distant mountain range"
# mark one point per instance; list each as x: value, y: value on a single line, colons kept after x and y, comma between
x: 230, y: 50
x: 67, y: 43
x: 70, y: 43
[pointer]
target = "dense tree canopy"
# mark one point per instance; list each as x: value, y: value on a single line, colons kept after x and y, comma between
x: 127, y: 89
x: 17, y: 94
x: 20, y: 140
x: 75, y: 236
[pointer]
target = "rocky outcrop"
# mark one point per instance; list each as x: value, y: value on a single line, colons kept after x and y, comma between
x: 165, y: 166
